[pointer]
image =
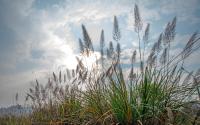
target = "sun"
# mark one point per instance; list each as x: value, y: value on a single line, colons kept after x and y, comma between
x: 90, y: 60
x: 69, y: 59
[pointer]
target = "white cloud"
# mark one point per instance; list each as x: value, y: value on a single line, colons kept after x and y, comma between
x: 183, y: 9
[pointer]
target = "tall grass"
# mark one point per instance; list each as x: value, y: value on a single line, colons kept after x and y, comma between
x: 155, y: 93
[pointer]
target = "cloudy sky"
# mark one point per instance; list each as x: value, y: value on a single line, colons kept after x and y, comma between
x: 40, y: 36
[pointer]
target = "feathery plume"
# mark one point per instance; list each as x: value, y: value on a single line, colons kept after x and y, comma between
x: 77, y: 69
x: 188, y: 48
x: 150, y: 57
x: 102, y: 44
x: 84, y: 76
x: 16, y: 97
x: 111, y: 48
x: 54, y: 77
x: 31, y: 90
x: 154, y: 48
x: 37, y: 86
x: 43, y: 92
x: 27, y: 98
x: 153, y: 61
x: 163, y: 57
x: 80, y: 63
x: 81, y: 46
x: 55, y: 91
x: 68, y: 74
x: 146, y: 34
x: 118, y: 49
x: 108, y: 53
x: 159, y: 46
x: 61, y: 92
x: 73, y: 73
x: 133, y: 58
x: 65, y: 78
x: 173, y: 26
x: 60, y: 77
x: 102, y: 39
x: 169, y: 33
x: 116, y: 30
x: 138, y: 21
x: 166, y: 35
x: 132, y: 75
x: 141, y: 67
x: 86, y: 38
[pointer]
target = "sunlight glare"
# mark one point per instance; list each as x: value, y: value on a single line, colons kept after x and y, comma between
x: 90, y: 61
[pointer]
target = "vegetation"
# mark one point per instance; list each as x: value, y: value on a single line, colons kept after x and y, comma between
x: 13, y: 120
x: 161, y: 91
